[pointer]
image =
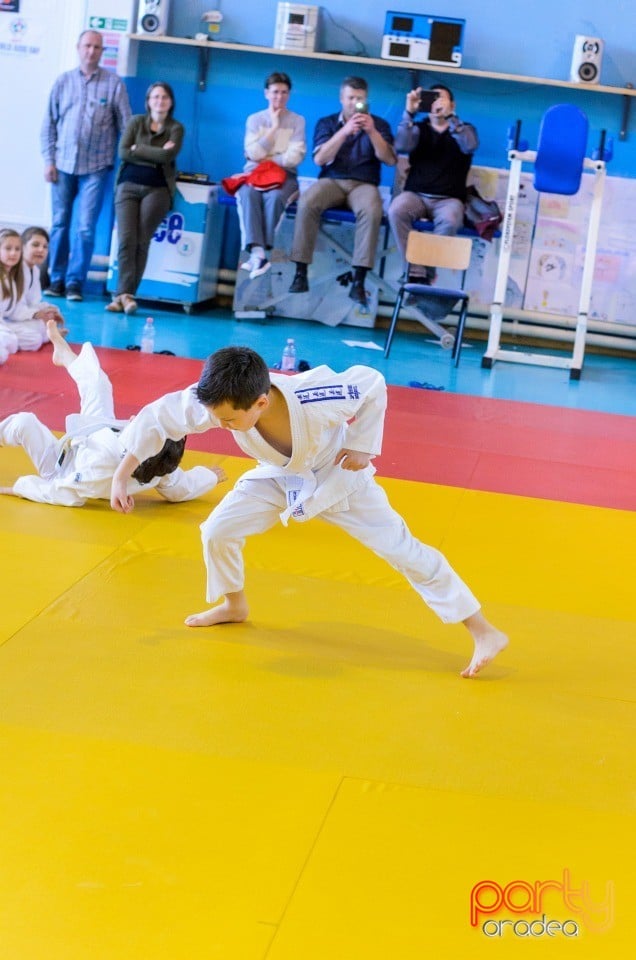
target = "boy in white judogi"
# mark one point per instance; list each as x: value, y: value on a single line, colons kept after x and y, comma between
x: 314, y: 436
x: 80, y: 466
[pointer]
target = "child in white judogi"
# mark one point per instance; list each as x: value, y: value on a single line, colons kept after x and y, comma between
x: 314, y: 436
x: 80, y: 466
x: 22, y: 317
x: 35, y: 249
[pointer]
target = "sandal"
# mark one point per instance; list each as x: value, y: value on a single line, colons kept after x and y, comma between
x: 115, y: 306
x: 129, y: 304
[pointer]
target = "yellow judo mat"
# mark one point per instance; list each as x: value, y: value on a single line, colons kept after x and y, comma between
x: 317, y: 783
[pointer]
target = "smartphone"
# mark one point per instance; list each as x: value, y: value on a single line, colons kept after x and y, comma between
x: 427, y: 99
x: 361, y: 106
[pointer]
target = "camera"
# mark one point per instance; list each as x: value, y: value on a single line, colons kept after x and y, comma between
x: 361, y: 106
x: 427, y: 99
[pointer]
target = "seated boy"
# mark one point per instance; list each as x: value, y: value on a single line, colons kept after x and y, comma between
x: 80, y: 466
x: 314, y: 436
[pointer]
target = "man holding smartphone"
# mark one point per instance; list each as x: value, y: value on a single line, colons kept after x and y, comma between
x: 350, y: 148
x: 440, y: 151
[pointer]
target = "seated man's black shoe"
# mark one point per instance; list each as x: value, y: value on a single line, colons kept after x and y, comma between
x: 358, y: 294
x: 55, y: 289
x: 299, y: 284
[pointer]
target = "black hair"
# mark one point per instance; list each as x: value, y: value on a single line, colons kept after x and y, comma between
x: 31, y: 232
x: 356, y: 83
x: 234, y: 375
x: 164, y: 462
x: 278, y: 77
x: 167, y: 88
x: 440, y: 86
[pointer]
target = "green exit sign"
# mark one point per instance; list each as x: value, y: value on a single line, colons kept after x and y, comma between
x: 107, y: 23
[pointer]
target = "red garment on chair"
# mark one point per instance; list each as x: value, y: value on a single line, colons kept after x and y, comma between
x: 266, y: 176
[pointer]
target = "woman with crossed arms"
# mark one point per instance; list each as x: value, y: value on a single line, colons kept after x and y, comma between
x: 146, y: 184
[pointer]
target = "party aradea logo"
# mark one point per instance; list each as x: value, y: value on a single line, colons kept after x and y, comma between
x: 541, y: 908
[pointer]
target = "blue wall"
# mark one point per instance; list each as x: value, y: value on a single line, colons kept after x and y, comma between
x: 532, y: 38
x: 499, y: 37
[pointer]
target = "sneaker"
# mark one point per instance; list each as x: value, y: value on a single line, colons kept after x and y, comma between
x: 259, y: 268
x: 299, y: 284
x: 55, y: 289
x: 247, y: 265
x: 73, y: 292
x: 358, y: 294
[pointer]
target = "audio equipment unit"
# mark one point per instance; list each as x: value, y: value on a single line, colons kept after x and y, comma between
x: 296, y: 27
x: 423, y: 38
x: 152, y: 17
x: 586, y: 60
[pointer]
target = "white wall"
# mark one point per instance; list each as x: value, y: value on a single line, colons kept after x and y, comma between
x: 36, y: 45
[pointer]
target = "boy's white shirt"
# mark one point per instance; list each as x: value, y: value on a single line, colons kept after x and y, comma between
x: 328, y: 411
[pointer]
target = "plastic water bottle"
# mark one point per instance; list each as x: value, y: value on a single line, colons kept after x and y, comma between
x: 148, y: 336
x: 288, y: 361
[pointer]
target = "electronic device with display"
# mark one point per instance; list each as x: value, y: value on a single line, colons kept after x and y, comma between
x: 296, y: 27
x: 423, y: 38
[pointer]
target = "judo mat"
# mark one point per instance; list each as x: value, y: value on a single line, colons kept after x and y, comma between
x: 319, y: 781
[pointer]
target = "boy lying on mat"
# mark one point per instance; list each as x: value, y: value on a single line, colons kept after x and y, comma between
x: 80, y: 465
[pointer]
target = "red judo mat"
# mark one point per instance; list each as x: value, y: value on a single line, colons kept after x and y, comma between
x: 502, y: 446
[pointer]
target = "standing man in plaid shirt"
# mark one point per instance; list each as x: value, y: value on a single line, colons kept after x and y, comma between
x: 87, y: 111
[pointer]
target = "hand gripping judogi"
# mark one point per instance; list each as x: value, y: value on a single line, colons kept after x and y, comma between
x: 328, y: 411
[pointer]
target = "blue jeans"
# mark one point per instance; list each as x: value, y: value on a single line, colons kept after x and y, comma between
x: 78, y: 199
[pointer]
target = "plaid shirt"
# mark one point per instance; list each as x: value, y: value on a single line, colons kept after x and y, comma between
x: 84, y: 119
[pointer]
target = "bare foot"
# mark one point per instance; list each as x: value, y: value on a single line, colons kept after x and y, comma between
x: 229, y: 611
x: 62, y: 353
x: 488, y: 643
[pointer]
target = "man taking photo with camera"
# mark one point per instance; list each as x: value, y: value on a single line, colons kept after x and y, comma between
x: 440, y: 150
x: 350, y: 148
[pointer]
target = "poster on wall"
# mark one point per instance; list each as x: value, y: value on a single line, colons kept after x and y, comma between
x: 114, y: 19
x: 19, y: 36
x: 558, y: 251
x: 9, y: 6
x: 112, y: 29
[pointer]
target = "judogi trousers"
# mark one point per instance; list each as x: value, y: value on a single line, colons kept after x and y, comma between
x: 39, y: 443
x: 366, y: 514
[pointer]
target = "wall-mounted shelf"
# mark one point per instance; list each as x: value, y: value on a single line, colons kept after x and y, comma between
x: 377, y: 62
x: 205, y: 47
